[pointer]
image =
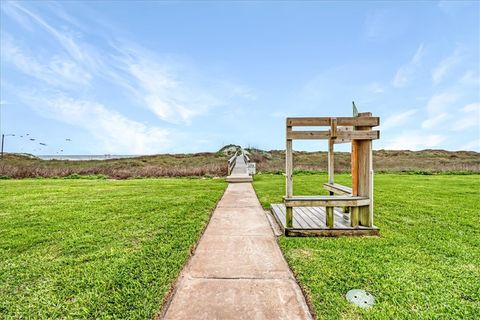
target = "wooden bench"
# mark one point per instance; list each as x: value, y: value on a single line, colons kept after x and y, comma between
x: 338, y: 188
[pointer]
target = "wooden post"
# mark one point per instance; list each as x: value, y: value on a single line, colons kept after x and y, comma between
x: 331, y: 143
x: 354, y: 217
x: 354, y: 167
x: 288, y: 178
x: 354, y: 156
x: 363, y: 174
x: 370, y: 211
x: 331, y: 164
x: 329, y: 216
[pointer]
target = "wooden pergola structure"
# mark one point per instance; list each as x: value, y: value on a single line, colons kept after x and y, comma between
x: 346, y: 211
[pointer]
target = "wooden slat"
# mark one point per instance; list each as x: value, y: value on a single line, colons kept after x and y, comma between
x: 339, y: 141
x: 278, y: 215
x: 337, y: 188
x: 306, y: 135
x: 304, y: 221
x: 309, y: 216
x: 340, y: 135
x: 289, y: 164
x: 326, y: 198
x: 325, y: 121
x: 324, y: 201
x: 359, y: 135
x: 318, y: 213
x: 354, y: 160
x: 309, y: 121
x: 332, y: 232
x: 331, y: 163
x: 344, y: 128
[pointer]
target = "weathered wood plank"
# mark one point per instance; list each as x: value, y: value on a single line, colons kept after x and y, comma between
x: 331, y: 162
x: 304, y: 220
x: 337, y: 188
x: 308, y: 135
x: 325, y: 121
x: 324, y: 201
x: 340, y: 135
x: 332, y: 232
x: 354, y: 162
x: 309, y: 217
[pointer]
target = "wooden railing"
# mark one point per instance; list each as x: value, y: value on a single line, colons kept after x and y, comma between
x: 231, y: 163
x: 245, y: 157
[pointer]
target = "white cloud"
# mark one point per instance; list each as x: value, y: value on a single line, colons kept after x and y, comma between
x: 435, y: 121
x: 472, y: 107
x: 58, y: 70
x: 470, y: 118
x: 173, y: 91
x: 414, y: 140
x: 8, y: 7
x: 117, y: 133
x: 407, y: 71
x: 444, y: 66
x: 436, y: 109
x: 80, y: 53
x: 397, y: 119
x: 172, y: 99
x: 438, y: 102
x: 471, y: 78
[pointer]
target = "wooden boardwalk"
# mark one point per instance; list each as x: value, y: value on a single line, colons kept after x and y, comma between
x: 240, y: 171
x: 311, y: 221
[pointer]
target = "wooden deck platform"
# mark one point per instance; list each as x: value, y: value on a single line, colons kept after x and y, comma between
x: 310, y: 222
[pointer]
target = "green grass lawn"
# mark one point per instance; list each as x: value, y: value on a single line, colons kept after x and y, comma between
x: 425, y: 265
x: 96, y: 248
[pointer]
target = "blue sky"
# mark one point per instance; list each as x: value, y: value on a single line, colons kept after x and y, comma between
x: 153, y: 77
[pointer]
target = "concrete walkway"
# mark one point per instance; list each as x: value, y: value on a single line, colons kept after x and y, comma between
x: 238, y: 270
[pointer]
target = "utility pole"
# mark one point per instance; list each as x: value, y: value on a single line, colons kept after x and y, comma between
x: 3, y: 140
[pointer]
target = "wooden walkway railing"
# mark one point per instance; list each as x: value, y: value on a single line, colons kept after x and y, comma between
x: 238, y: 167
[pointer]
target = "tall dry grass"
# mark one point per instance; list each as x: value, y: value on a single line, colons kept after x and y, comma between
x: 16, y: 172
